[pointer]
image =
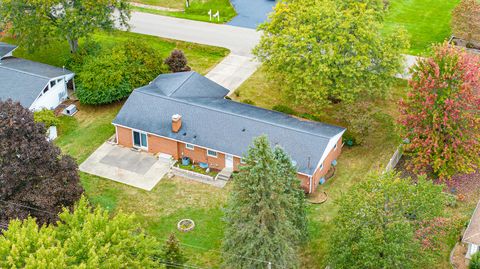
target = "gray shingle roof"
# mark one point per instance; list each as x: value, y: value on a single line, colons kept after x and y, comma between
x: 224, y: 125
x: 186, y: 84
x: 35, y: 68
x: 6, y: 49
x: 23, y: 80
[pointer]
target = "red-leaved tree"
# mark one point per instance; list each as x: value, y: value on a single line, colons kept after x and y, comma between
x: 441, y: 115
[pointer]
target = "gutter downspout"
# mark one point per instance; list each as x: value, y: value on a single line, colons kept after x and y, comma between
x: 310, y: 185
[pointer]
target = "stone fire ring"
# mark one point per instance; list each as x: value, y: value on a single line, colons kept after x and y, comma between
x: 185, y: 225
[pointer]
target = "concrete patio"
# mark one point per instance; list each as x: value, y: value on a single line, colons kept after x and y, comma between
x: 138, y: 169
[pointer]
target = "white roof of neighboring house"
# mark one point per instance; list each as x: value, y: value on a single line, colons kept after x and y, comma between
x: 23, y: 80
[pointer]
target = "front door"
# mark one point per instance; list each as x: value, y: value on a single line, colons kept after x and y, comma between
x: 228, y: 161
x: 140, y: 140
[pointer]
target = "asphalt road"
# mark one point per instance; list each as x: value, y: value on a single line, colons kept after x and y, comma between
x: 240, y: 41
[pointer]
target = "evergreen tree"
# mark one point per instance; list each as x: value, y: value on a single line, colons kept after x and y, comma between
x: 258, y: 227
x: 296, y: 203
x: 172, y: 255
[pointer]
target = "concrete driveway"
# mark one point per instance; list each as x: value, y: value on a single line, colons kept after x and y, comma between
x: 137, y: 169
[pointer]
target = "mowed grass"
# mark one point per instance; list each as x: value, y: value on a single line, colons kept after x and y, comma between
x: 427, y: 21
x: 198, y: 10
x: 179, y: 4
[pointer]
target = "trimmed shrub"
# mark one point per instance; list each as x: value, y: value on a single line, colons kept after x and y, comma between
x: 284, y: 109
x: 113, y: 74
x: 177, y: 62
x: 47, y: 117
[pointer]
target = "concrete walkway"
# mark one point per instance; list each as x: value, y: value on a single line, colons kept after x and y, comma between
x: 137, y: 169
x: 238, y: 66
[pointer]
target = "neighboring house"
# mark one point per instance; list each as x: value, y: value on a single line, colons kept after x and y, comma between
x: 471, y: 237
x: 186, y: 114
x: 34, y: 85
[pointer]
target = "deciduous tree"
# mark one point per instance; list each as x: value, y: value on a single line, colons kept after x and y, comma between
x: 260, y: 226
x: 441, y: 115
x: 33, y: 172
x: 326, y: 51
x: 85, y: 238
x: 377, y: 219
x: 35, y: 22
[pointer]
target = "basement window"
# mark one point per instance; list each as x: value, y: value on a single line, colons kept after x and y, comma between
x: 189, y: 146
x: 212, y: 153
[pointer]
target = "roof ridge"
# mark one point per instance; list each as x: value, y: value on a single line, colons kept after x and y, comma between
x: 179, y: 86
x: 238, y: 115
x: 24, y: 72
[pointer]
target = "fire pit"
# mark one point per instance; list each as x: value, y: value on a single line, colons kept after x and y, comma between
x: 185, y: 225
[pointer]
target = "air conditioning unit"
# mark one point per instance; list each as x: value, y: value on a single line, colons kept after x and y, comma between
x: 70, y: 110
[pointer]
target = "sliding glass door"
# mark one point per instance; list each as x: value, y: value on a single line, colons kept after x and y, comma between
x: 140, y: 140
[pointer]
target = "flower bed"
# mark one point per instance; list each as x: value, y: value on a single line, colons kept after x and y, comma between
x: 197, y: 169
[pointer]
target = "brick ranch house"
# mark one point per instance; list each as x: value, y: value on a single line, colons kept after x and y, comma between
x: 186, y: 114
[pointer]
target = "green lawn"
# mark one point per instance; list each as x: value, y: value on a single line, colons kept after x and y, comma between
x: 178, y: 4
x: 198, y: 9
x: 427, y: 21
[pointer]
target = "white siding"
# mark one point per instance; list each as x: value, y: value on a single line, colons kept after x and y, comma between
x: 53, y: 97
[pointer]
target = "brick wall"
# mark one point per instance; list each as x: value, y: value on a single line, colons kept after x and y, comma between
x: 327, y: 163
x: 124, y: 136
x: 162, y: 145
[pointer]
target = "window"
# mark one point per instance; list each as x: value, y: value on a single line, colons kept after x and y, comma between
x: 59, y: 80
x: 189, y: 146
x: 335, y: 147
x: 45, y: 90
x: 52, y: 83
x: 212, y: 153
x: 140, y: 140
x: 321, y: 166
x: 242, y: 161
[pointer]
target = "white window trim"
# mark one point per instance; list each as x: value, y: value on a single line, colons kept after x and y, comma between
x: 189, y: 146
x: 133, y: 139
x: 242, y: 161
x: 210, y: 155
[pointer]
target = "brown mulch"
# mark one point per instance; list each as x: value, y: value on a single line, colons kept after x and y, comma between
x: 464, y: 184
x: 458, y: 257
x: 318, y: 197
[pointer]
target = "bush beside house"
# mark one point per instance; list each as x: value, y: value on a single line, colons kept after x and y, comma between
x: 109, y: 75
